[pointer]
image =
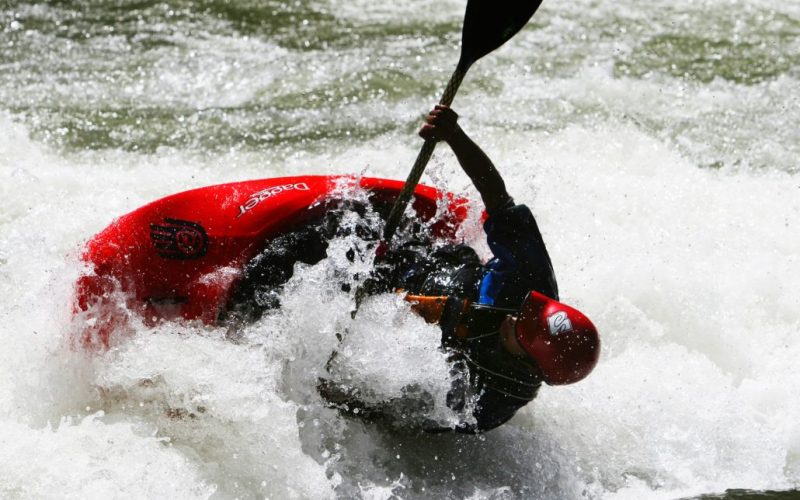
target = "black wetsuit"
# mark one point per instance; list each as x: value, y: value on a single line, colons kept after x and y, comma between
x: 501, y: 383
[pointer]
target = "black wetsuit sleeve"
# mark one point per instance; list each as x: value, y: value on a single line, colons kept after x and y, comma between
x: 517, y: 244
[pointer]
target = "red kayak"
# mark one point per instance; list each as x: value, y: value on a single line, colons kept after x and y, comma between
x: 181, y: 257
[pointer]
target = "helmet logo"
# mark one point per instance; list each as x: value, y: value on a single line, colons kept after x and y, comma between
x: 559, y: 323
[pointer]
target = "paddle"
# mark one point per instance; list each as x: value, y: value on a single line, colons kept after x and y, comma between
x: 488, y: 24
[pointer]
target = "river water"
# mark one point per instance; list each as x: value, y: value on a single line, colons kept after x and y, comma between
x: 657, y: 143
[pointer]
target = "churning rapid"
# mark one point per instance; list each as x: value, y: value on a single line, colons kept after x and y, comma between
x: 656, y: 142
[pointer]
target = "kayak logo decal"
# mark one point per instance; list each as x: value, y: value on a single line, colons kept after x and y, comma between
x: 179, y: 239
x: 559, y: 323
x: 256, y: 198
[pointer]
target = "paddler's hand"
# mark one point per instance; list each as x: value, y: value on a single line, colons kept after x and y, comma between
x: 441, y: 123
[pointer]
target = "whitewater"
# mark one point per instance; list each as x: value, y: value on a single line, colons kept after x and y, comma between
x: 657, y: 144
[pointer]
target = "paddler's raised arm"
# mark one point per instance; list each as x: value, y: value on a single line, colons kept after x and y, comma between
x: 442, y: 123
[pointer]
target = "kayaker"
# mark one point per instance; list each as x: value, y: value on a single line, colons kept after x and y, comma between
x: 501, y: 321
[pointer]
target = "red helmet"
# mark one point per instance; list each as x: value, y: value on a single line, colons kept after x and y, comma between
x: 562, y: 341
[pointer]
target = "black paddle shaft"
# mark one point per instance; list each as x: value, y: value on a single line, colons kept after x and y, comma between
x: 488, y: 24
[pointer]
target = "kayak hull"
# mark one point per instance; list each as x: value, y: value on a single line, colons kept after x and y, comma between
x: 181, y: 256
